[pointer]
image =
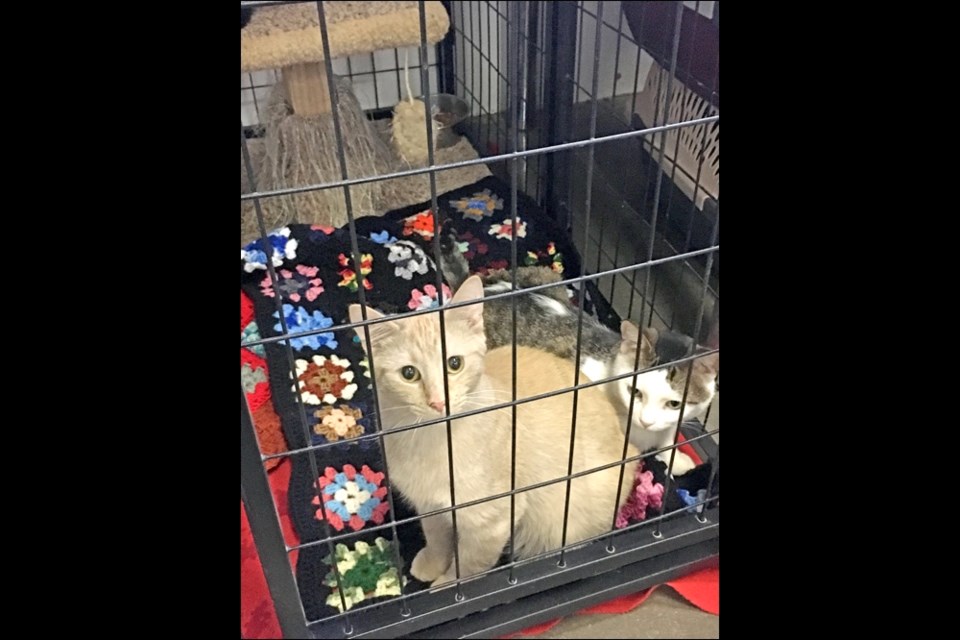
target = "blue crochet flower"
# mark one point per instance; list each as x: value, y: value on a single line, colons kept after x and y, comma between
x: 383, y: 237
x: 254, y: 257
x: 693, y: 501
x: 299, y: 320
x: 282, y: 246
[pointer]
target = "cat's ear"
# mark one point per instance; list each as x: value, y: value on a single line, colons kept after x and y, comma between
x: 630, y: 334
x: 650, y: 336
x: 708, y: 365
x: 471, y: 289
x: 377, y: 331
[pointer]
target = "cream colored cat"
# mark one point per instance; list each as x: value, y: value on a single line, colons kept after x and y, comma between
x: 407, y: 361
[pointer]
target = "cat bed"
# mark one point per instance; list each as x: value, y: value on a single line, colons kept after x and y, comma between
x: 318, y: 281
x: 289, y: 34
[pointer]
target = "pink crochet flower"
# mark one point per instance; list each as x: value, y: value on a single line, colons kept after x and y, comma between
x: 292, y: 285
x: 427, y: 299
x: 645, y: 494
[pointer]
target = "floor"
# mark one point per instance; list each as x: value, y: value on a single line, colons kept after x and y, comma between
x: 663, y: 615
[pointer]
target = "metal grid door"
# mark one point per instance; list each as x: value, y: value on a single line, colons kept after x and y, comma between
x: 553, y: 90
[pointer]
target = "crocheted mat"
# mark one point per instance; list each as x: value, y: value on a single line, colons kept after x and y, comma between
x: 318, y: 281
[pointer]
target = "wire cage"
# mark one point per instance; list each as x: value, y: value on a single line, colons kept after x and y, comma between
x: 604, y: 118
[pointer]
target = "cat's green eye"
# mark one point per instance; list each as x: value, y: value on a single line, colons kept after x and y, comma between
x: 673, y: 404
x: 409, y: 373
x: 455, y: 363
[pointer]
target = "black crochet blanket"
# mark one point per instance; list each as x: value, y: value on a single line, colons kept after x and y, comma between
x: 317, y: 283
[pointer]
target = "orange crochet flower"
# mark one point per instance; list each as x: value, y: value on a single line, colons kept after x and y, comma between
x: 421, y: 223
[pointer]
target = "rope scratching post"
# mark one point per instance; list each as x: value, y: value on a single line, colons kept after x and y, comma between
x: 299, y: 147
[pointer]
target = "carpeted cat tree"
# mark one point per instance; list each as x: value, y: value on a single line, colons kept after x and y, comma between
x: 299, y: 146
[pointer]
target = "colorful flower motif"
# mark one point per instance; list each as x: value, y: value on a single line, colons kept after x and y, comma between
x: 555, y: 259
x: 479, y: 205
x: 351, y: 498
x: 505, y: 229
x: 383, y: 237
x: 281, y: 247
x: 427, y: 299
x: 694, y: 502
x: 350, y: 276
x: 421, y: 223
x: 645, y: 494
x: 407, y: 259
x: 474, y: 246
x: 299, y: 320
x: 338, y: 423
x: 320, y: 233
x: 251, y: 333
x: 365, y: 572
x: 250, y: 377
x: 302, y: 282
x: 324, y: 380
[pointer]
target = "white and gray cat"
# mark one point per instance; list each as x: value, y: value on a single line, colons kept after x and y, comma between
x: 547, y: 321
x: 409, y: 371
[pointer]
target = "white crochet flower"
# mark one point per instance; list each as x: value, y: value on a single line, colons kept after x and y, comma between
x: 407, y: 259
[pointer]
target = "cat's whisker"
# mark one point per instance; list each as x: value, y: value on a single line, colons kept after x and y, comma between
x: 482, y: 406
x: 404, y: 423
x: 487, y: 395
x: 487, y: 401
x: 479, y: 403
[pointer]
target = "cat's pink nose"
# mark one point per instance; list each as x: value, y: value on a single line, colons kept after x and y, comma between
x: 438, y: 405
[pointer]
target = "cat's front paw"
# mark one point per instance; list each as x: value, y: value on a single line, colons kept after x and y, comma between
x: 682, y: 463
x: 428, y: 565
x: 447, y: 578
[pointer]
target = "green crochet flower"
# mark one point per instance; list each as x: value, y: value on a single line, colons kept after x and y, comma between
x: 367, y: 571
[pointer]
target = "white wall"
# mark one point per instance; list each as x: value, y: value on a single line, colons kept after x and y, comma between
x: 480, y: 32
x: 628, y: 68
